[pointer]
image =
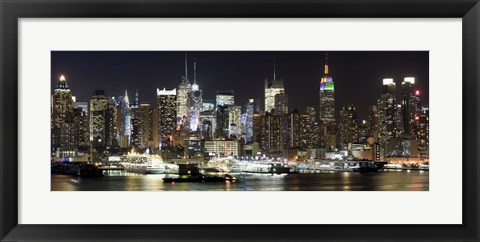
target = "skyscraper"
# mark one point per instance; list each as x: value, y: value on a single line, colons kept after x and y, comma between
x: 62, y: 105
x: 98, y: 106
x: 195, y: 101
x: 225, y: 98
x: 327, y: 96
x: 281, y: 104
x: 348, y: 127
x: 272, y: 88
x: 182, y: 95
x: 387, y: 110
x: 409, y: 106
x: 167, y: 107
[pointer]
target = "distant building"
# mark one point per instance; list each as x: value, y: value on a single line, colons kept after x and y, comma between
x: 422, y: 132
x: 167, y: 107
x: 348, y: 127
x: 327, y: 97
x: 272, y: 88
x: 223, y: 148
x: 182, y: 96
x: 281, y: 104
x: 98, y: 107
x: 387, y: 110
x: 62, y: 105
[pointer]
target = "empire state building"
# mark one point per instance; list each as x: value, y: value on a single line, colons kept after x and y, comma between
x: 327, y: 97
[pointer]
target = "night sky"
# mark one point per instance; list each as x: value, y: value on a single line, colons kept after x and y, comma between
x: 357, y: 74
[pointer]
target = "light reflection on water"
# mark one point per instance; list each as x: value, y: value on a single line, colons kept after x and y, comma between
x: 341, y: 181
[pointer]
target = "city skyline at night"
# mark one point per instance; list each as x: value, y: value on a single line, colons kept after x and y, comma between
x: 213, y: 117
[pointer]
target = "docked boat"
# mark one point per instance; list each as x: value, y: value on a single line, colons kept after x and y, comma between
x: 266, y: 168
x: 143, y: 163
x: 191, y: 173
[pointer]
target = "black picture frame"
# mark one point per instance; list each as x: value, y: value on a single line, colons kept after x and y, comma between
x: 11, y: 11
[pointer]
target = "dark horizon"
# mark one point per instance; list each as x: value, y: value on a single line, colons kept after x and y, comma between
x: 357, y: 74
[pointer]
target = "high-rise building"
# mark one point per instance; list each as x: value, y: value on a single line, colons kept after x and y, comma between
x: 272, y: 88
x: 222, y: 122
x: 111, y: 131
x: 327, y: 96
x: 373, y: 122
x: 422, y: 132
x: 225, y: 98
x: 235, y: 120
x: 409, y: 105
x: 182, y: 105
x: 126, y: 118
x: 348, y: 127
x: 144, y: 122
x: 98, y: 106
x: 281, y: 104
x: 387, y: 109
x: 62, y: 105
x: 195, y: 101
x: 167, y: 107
x: 273, y: 129
x: 248, y: 126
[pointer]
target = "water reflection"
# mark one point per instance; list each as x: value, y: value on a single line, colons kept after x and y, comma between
x: 341, y: 181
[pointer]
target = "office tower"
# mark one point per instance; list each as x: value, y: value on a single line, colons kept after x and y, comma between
x: 222, y: 122
x: 235, y: 120
x: 373, y: 122
x: 208, y: 105
x: 272, y: 87
x: 273, y: 129
x: 386, y: 110
x: 98, y: 105
x: 81, y: 130
x: 195, y: 101
x: 182, y: 94
x: 422, y: 132
x: 126, y: 118
x: 137, y: 122
x: 225, y: 98
x: 144, y: 126
x: 363, y: 131
x: 348, y: 127
x: 249, y: 111
x: 295, y: 129
x: 167, y: 107
x: 257, y: 127
x: 62, y: 104
x: 327, y: 97
x: 409, y: 105
x: 111, y: 130
x: 281, y: 104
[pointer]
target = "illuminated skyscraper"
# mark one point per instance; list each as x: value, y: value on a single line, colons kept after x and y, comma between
x: 235, y: 122
x: 167, y: 107
x: 272, y: 88
x: 126, y: 117
x: 409, y: 106
x: 195, y: 101
x: 327, y: 96
x: 422, y: 132
x: 225, y: 98
x: 281, y: 104
x: 98, y: 106
x: 222, y: 122
x: 387, y: 109
x: 348, y: 127
x: 62, y: 105
x: 182, y: 95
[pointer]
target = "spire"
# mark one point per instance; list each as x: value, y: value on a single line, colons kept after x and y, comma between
x: 186, y: 67
x: 62, y: 78
x: 125, y: 98
x: 274, y: 76
x: 136, y: 98
x: 326, y: 63
x: 194, y: 70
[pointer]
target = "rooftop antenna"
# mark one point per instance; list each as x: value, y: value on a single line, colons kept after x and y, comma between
x: 186, y: 67
x: 326, y: 63
x: 194, y: 70
x: 274, y: 76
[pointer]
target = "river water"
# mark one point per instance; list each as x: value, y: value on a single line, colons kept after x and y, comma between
x: 390, y: 180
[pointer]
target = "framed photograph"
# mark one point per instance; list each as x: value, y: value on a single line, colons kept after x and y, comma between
x: 262, y: 121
